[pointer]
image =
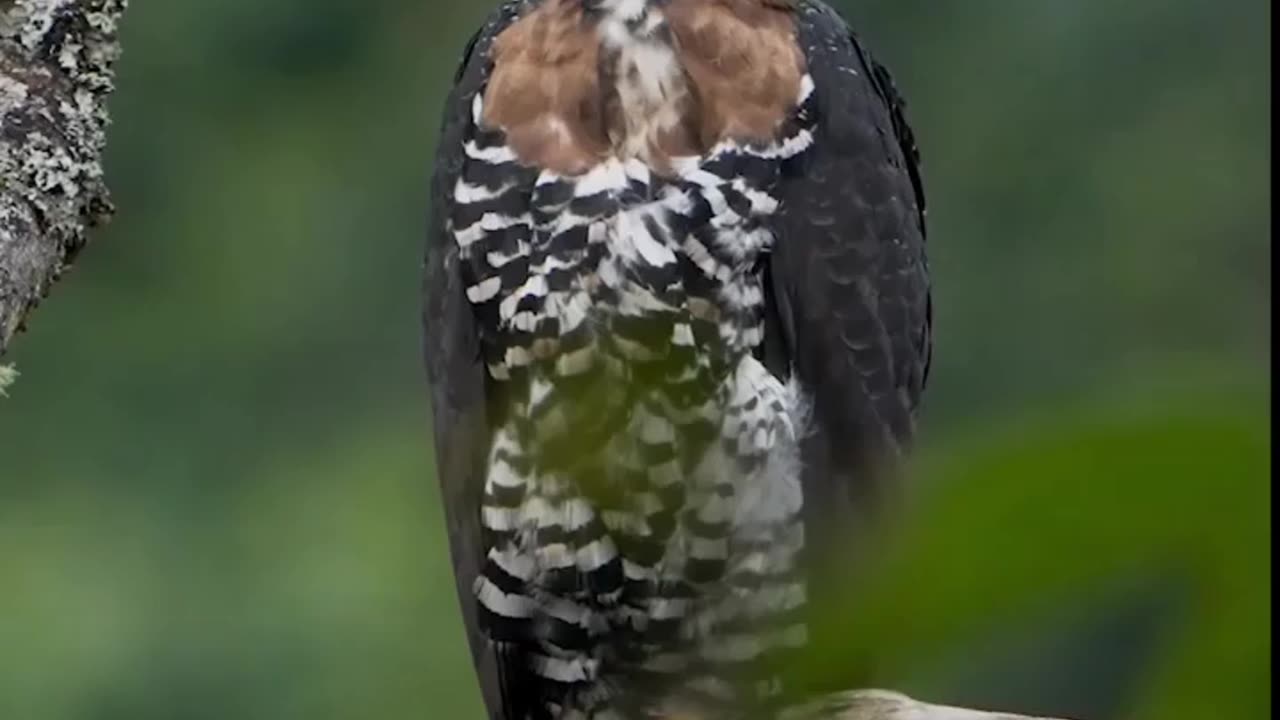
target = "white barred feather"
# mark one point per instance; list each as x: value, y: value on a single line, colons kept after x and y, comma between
x: 564, y: 265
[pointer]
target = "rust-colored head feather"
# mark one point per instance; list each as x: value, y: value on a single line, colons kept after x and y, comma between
x: 558, y: 92
x: 545, y: 89
x: 744, y: 62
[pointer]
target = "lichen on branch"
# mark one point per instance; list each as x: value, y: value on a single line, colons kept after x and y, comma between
x: 56, y: 60
x: 7, y: 375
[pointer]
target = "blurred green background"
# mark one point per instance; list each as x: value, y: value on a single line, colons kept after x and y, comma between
x: 216, y: 498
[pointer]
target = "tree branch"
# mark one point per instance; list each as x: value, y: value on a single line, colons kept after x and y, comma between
x: 56, y: 60
x: 887, y: 705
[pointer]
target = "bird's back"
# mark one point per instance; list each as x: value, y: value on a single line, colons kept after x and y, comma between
x: 612, y: 194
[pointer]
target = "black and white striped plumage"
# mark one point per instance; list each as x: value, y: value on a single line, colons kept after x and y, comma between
x: 656, y: 378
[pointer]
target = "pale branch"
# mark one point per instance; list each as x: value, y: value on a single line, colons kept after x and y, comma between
x: 888, y: 705
x: 56, y: 59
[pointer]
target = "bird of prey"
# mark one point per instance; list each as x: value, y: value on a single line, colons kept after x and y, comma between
x: 677, y: 327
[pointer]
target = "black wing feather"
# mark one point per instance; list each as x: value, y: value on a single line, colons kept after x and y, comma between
x: 850, y: 280
x: 460, y: 387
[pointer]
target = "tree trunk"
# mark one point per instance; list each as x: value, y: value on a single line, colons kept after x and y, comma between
x: 56, y: 60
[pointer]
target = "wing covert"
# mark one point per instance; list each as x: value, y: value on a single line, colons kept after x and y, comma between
x: 849, y: 277
x: 459, y: 383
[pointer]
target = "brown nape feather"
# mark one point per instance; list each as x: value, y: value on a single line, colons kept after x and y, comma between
x: 744, y: 63
x: 554, y: 89
x: 545, y: 89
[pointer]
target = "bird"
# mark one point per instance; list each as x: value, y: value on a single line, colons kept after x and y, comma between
x: 677, y: 328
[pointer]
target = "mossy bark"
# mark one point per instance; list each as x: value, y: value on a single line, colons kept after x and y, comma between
x: 56, y: 59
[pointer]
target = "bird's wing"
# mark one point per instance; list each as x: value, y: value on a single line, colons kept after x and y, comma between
x: 460, y: 385
x: 849, y: 279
